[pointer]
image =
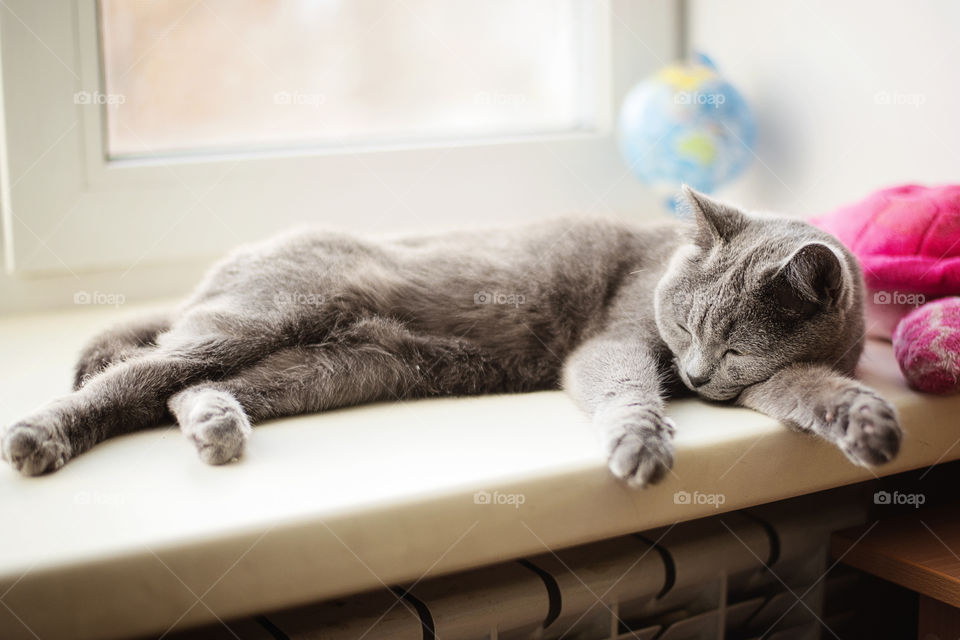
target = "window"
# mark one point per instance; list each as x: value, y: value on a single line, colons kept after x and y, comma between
x: 187, y: 76
x: 144, y: 133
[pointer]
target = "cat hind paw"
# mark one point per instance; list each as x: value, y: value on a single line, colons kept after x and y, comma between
x: 32, y: 448
x: 217, y: 425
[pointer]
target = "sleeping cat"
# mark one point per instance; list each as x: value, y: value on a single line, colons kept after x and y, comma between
x: 761, y: 311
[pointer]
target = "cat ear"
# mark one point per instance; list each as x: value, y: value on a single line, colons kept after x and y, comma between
x: 715, y: 221
x: 811, y: 278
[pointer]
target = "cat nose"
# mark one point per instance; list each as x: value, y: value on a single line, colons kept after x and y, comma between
x: 697, y: 381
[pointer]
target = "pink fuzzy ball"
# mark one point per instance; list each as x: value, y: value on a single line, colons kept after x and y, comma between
x: 927, y: 345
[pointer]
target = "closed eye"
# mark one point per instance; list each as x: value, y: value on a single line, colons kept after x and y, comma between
x: 683, y: 328
x: 732, y: 352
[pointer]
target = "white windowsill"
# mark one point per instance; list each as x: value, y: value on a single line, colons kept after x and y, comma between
x: 328, y: 504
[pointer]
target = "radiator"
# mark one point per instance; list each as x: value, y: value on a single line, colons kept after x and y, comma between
x: 740, y: 575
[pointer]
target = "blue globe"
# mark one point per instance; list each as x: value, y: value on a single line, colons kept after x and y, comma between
x: 686, y: 125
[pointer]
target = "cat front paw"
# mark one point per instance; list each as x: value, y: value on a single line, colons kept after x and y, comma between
x: 866, y: 428
x: 639, y: 445
x: 33, y: 448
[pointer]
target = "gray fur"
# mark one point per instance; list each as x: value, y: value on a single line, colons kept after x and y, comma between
x: 764, y: 311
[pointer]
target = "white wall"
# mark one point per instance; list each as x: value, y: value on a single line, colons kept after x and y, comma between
x: 849, y: 95
x: 29, y: 293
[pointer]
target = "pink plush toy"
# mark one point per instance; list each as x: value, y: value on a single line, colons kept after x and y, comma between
x: 907, y: 239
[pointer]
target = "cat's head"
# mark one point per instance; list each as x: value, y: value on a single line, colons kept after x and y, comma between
x: 750, y: 294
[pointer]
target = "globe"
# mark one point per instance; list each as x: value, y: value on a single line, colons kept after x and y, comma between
x: 686, y: 125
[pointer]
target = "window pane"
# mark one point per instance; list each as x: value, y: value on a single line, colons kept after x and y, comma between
x: 188, y: 76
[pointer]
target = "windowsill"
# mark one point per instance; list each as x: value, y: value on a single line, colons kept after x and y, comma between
x: 323, y: 505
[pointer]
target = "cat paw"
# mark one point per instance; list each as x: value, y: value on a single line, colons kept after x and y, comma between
x: 639, y: 447
x: 32, y: 448
x: 216, y: 423
x: 867, y: 429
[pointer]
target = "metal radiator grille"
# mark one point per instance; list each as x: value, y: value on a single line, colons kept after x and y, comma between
x: 739, y: 576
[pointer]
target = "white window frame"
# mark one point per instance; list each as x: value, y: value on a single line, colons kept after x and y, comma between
x: 66, y: 207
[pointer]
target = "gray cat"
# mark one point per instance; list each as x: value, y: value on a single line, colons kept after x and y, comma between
x: 762, y: 311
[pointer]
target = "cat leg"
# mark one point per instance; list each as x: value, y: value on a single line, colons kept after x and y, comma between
x: 819, y: 400
x: 128, y: 395
x: 213, y: 420
x: 216, y: 415
x: 616, y: 380
x: 118, y: 343
x: 375, y: 359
